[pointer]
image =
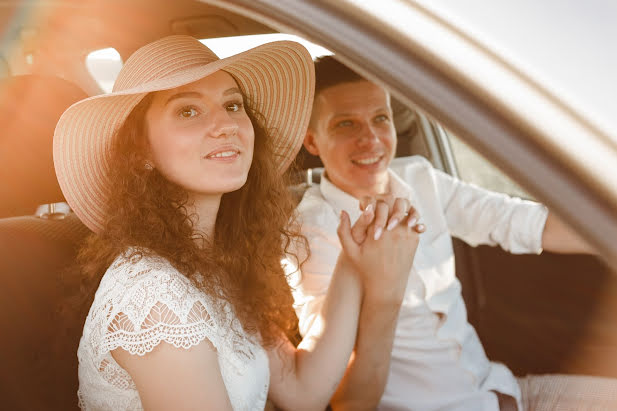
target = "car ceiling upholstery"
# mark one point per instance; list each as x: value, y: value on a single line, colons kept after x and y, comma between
x: 38, y: 28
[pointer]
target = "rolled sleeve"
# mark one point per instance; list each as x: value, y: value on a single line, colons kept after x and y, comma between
x: 478, y: 216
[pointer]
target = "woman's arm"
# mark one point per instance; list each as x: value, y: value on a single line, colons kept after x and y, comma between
x: 306, y: 377
x: 168, y: 378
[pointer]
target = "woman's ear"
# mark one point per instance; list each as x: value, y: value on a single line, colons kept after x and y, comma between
x: 147, y: 152
x: 148, y: 164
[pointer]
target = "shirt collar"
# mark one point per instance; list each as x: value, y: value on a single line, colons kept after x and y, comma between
x: 399, y: 187
x: 340, y: 200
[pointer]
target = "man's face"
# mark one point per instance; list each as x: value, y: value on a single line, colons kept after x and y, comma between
x: 353, y: 133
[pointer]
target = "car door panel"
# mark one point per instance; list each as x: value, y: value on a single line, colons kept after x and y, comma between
x: 547, y: 313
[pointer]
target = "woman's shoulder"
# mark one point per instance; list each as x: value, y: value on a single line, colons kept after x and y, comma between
x: 136, y: 264
x: 142, y: 300
x: 136, y: 268
x: 138, y: 281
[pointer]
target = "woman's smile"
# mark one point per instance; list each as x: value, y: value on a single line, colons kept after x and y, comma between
x: 226, y: 154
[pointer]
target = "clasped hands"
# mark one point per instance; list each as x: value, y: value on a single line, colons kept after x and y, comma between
x: 381, y: 244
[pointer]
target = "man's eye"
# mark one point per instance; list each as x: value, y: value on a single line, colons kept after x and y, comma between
x: 234, y: 107
x: 344, y: 123
x: 381, y: 118
x: 187, y: 112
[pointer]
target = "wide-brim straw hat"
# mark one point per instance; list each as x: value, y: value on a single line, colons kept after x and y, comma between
x: 277, y: 78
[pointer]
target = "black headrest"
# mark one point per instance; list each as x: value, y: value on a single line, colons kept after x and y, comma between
x: 30, y: 107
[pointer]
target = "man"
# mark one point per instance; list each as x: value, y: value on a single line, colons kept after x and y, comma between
x: 415, y: 348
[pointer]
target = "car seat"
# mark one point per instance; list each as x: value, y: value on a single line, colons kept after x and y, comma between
x: 30, y: 107
x: 39, y: 360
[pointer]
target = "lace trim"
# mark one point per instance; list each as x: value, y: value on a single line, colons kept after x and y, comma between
x: 160, y: 304
x: 143, y: 342
x: 164, y: 324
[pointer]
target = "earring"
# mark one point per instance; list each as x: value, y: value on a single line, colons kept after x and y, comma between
x: 148, y: 166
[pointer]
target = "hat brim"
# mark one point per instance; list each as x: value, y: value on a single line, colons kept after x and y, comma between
x: 277, y: 78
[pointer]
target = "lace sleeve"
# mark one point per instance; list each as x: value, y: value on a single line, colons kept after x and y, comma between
x: 144, y: 302
x: 161, y: 324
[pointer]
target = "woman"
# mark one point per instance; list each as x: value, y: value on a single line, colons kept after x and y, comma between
x: 181, y: 181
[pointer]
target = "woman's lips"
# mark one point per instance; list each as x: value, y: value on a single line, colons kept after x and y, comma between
x: 224, y: 154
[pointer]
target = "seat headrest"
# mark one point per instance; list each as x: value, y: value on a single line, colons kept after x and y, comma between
x: 30, y: 107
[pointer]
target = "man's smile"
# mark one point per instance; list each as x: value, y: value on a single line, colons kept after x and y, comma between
x: 367, y: 160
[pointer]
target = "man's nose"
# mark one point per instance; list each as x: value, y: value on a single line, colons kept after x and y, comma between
x: 223, y: 125
x: 368, y: 136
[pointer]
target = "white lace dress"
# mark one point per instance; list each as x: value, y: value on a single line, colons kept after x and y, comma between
x: 138, y: 304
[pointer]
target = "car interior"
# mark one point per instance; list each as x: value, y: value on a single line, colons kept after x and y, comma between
x: 537, y: 314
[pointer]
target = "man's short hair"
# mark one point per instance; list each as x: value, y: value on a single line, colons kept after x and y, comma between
x: 330, y: 72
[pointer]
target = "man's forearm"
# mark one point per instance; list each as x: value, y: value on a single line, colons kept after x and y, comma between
x: 560, y: 238
x: 365, y: 378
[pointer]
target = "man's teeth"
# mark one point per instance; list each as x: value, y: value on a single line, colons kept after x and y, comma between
x: 224, y: 154
x: 367, y: 161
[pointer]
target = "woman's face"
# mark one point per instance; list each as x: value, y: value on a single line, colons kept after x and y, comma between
x: 200, y: 135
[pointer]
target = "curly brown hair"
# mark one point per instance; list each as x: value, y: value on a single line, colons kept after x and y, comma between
x: 254, y: 229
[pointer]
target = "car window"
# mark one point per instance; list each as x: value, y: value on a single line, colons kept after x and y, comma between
x: 228, y: 46
x: 474, y: 168
x: 5, y: 70
x: 104, y: 66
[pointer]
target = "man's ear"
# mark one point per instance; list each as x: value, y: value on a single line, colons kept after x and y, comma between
x: 309, y: 142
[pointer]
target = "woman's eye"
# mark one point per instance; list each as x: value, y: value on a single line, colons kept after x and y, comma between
x: 234, y: 107
x: 344, y: 123
x: 188, y: 112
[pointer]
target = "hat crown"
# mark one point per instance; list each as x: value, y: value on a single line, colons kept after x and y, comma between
x: 161, y: 59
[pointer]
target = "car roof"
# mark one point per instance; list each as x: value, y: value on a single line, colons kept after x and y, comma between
x: 59, y: 34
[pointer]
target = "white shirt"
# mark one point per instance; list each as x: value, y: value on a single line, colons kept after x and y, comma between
x: 141, y: 302
x: 438, y: 361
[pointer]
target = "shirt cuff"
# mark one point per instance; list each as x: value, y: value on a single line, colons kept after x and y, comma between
x: 536, y: 223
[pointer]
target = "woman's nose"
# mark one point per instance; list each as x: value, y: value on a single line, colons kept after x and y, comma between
x: 227, y: 131
x: 223, y: 125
